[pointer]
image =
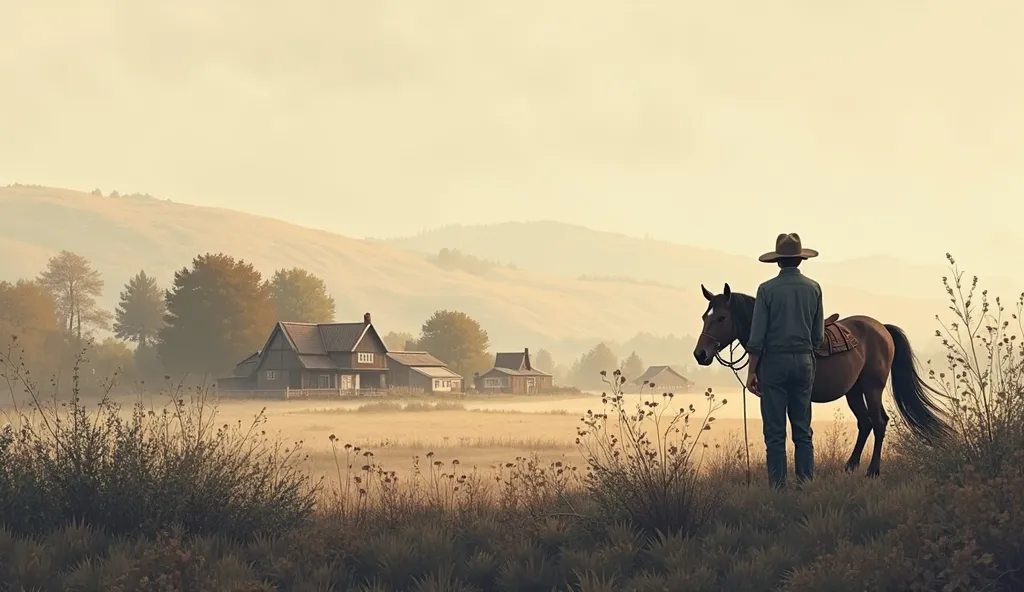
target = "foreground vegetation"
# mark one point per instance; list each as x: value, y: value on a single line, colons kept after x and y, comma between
x: 169, y: 499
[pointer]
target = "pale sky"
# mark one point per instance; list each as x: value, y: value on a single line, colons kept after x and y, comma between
x: 898, y: 124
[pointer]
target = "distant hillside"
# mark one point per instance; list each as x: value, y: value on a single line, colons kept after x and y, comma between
x: 519, y: 308
x: 529, y: 306
x: 571, y: 251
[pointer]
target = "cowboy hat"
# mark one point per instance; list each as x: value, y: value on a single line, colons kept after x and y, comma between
x: 787, y: 246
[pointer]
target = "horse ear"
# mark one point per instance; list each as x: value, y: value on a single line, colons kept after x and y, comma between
x: 727, y: 291
x: 707, y: 294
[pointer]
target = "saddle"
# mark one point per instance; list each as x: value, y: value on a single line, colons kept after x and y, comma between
x: 838, y: 338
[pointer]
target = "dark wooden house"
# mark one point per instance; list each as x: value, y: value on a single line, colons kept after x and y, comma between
x: 665, y: 379
x: 347, y: 357
x: 420, y: 370
x: 513, y: 373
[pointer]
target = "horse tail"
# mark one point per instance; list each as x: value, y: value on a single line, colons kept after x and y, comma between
x: 915, y: 398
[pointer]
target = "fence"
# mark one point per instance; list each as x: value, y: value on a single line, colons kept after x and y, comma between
x: 328, y: 393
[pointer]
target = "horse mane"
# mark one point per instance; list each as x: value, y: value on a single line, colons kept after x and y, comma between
x: 741, y: 306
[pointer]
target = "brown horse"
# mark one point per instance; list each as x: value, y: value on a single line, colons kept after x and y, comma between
x: 860, y: 374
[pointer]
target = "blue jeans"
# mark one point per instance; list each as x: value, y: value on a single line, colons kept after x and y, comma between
x: 785, y: 381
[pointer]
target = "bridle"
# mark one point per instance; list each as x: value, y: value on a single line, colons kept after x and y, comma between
x: 733, y: 363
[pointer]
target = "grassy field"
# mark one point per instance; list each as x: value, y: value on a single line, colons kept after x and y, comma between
x: 480, y: 433
x: 500, y: 495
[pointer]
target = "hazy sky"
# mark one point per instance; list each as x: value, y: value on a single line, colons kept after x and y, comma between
x: 898, y: 124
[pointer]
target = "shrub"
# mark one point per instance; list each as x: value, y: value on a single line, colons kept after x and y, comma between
x: 643, y: 464
x: 144, y: 469
x: 983, y: 384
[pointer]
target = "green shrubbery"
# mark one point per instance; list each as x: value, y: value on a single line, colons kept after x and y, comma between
x: 103, y: 499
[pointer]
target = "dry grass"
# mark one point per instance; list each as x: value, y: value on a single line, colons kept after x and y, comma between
x: 644, y: 507
x: 480, y: 433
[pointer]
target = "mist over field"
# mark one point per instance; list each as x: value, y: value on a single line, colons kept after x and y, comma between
x: 371, y: 296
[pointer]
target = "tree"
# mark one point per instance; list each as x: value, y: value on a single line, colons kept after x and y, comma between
x: 632, y: 367
x: 218, y: 312
x: 29, y: 323
x: 139, y: 315
x: 104, y: 359
x: 399, y: 341
x: 75, y: 286
x: 544, y: 361
x: 456, y: 339
x: 586, y: 372
x: 301, y: 297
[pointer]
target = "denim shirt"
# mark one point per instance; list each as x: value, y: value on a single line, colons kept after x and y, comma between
x: 788, y: 315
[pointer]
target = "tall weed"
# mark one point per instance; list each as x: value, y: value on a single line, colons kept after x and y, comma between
x: 143, y: 469
x: 643, y: 463
x: 983, y: 384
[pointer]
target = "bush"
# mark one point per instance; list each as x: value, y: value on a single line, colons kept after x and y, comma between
x: 644, y: 465
x: 983, y: 385
x: 144, y: 469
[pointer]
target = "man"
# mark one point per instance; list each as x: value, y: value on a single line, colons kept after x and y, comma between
x: 786, y: 329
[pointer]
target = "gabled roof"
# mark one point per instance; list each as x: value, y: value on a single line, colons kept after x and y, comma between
x: 435, y: 372
x: 246, y: 366
x: 511, y: 372
x: 666, y: 373
x: 516, y: 364
x: 322, y: 339
x: 251, y: 358
x: 510, y: 360
x: 314, y: 342
x: 416, y: 358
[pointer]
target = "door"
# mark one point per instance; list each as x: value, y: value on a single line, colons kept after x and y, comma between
x: 323, y: 381
x: 346, y: 382
x: 531, y: 385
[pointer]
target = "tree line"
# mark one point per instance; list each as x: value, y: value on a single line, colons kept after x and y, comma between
x: 219, y: 310
x: 215, y: 312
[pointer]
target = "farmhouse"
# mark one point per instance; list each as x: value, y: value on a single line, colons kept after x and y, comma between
x: 420, y: 370
x: 344, y: 357
x: 665, y: 379
x: 513, y: 373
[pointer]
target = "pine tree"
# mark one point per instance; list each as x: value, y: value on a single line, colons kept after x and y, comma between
x: 139, y: 315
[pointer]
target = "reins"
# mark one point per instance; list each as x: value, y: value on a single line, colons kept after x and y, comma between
x: 736, y: 364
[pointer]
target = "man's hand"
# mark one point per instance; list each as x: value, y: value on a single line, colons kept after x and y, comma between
x: 752, y: 382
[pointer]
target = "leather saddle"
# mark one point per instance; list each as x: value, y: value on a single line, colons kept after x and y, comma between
x: 838, y: 338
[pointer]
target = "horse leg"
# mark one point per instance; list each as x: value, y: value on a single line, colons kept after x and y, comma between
x: 855, y: 399
x: 879, y: 419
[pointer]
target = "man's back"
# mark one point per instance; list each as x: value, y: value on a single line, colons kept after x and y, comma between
x: 789, y: 316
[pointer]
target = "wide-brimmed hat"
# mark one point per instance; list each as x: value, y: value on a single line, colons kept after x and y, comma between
x: 787, y: 246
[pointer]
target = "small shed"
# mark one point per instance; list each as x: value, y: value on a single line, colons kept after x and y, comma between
x: 420, y: 370
x: 665, y: 379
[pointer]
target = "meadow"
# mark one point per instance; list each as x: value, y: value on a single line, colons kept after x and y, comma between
x: 479, y: 432
x: 183, y: 492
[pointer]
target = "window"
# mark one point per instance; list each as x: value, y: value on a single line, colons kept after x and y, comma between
x: 437, y: 383
x: 324, y: 381
x: 365, y: 358
x: 493, y: 382
x: 271, y: 374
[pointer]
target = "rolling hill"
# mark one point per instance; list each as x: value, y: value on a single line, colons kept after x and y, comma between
x: 541, y: 303
x: 571, y: 251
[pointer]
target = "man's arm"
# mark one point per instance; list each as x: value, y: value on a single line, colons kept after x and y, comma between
x: 818, y: 329
x: 758, y: 329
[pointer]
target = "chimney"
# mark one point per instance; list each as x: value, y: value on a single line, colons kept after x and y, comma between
x: 526, y: 358
x: 366, y: 319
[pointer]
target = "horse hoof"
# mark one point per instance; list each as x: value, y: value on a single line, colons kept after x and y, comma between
x: 872, y: 473
x: 851, y: 467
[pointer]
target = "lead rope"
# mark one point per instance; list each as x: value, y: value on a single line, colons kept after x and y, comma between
x: 736, y: 364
